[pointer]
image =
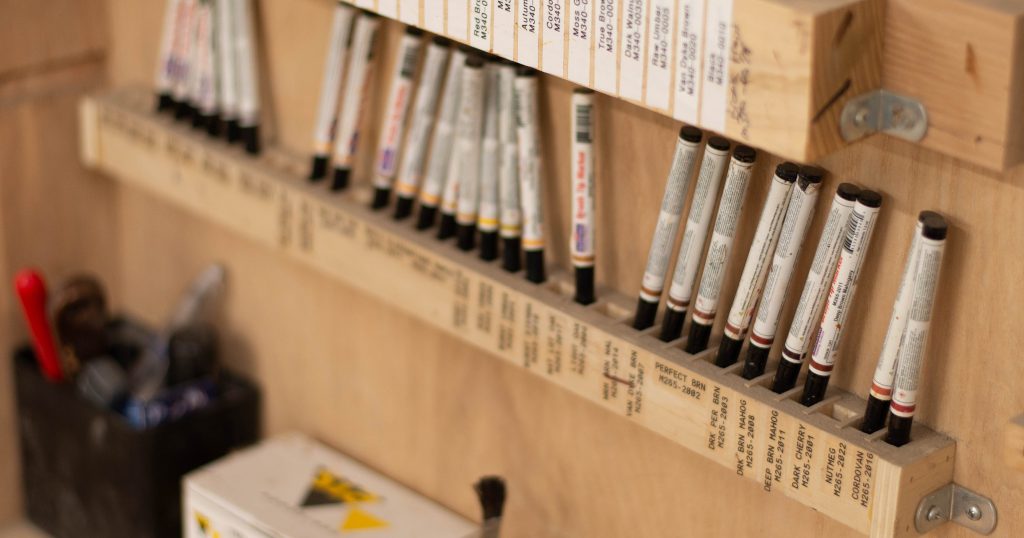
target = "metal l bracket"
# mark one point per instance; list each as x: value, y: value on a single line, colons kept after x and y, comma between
x: 886, y: 112
x: 959, y: 505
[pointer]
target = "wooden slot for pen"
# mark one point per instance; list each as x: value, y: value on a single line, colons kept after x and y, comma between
x: 814, y: 456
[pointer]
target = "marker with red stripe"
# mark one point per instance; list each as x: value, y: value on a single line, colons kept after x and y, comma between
x: 915, y: 336
x: 393, y: 125
x: 794, y: 229
x: 840, y: 296
x: 885, y: 373
x: 759, y: 258
x: 581, y: 243
x: 705, y: 307
x: 816, y: 285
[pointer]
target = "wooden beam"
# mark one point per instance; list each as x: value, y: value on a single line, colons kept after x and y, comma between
x: 964, y: 60
x: 815, y: 456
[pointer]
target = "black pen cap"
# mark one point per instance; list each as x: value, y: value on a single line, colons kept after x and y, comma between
x: 523, y: 71
x: 811, y: 174
x: 441, y: 40
x: 719, y: 143
x: 934, y: 225
x: 693, y: 134
x: 744, y: 154
x: 787, y: 171
x: 848, y: 191
x: 413, y: 31
x: 583, y: 91
x: 869, y: 198
x: 475, y: 61
x: 467, y: 49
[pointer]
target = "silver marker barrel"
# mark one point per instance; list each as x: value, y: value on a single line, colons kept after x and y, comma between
x: 184, y: 43
x: 695, y: 234
x: 434, y: 183
x: 530, y: 181
x: 389, y: 147
x: 205, y: 97
x: 510, y: 213
x: 794, y: 230
x: 467, y: 150
x: 490, y: 199
x: 248, y: 77
x: 840, y: 296
x: 755, y: 269
x: 816, y: 286
x: 227, y: 79
x: 915, y: 337
x: 330, y: 87
x: 357, y: 80
x: 734, y: 192
x: 410, y: 171
x: 667, y: 226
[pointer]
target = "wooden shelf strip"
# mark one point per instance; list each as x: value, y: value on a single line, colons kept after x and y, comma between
x: 815, y: 456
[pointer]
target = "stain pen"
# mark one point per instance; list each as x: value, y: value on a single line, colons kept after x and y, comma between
x: 410, y: 170
x: 695, y: 234
x: 330, y: 88
x: 466, y: 154
x: 353, y: 97
x: 490, y: 198
x: 581, y: 244
x: 840, y: 296
x: 248, y: 79
x: 755, y: 269
x: 441, y: 143
x: 705, y: 307
x: 227, y: 68
x: 397, y: 108
x: 915, y: 338
x: 664, y: 237
x: 510, y: 212
x: 794, y: 229
x: 816, y: 286
x: 530, y: 172
x: 165, y: 62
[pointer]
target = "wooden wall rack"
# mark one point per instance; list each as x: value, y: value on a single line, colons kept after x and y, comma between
x: 815, y: 456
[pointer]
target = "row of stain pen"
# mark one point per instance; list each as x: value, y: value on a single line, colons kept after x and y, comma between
x: 207, y: 69
x: 767, y: 277
x: 472, y: 151
x: 463, y: 142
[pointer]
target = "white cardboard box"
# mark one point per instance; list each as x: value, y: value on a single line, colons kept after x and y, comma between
x: 292, y: 486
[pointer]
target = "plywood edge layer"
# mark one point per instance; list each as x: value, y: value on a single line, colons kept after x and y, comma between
x: 815, y: 456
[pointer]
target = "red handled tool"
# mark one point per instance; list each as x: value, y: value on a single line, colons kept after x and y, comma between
x: 31, y: 290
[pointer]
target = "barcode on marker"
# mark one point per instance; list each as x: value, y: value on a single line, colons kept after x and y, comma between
x: 409, y: 62
x: 852, y: 229
x: 583, y: 124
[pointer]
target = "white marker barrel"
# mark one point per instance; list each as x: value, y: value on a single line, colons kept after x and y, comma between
x: 227, y: 65
x: 195, y: 50
x: 183, y: 45
x: 755, y: 269
x: 581, y: 243
x: 206, y: 89
x: 165, y: 62
x: 248, y: 77
x: 410, y: 171
x: 885, y: 370
x: 490, y: 198
x: 330, y: 87
x: 530, y: 172
x: 915, y: 338
x: 511, y: 214
x: 816, y: 286
x: 389, y: 145
x: 698, y: 222
x: 441, y: 143
x: 841, y: 294
x: 360, y: 62
x: 667, y: 226
x: 467, y: 149
x: 734, y: 192
x: 794, y: 229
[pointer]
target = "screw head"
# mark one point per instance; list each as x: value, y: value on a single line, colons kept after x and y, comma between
x: 973, y: 512
x: 861, y: 117
x: 934, y: 513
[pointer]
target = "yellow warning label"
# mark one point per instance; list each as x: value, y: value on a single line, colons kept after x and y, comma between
x: 204, y: 525
x: 359, y: 520
x: 328, y: 488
